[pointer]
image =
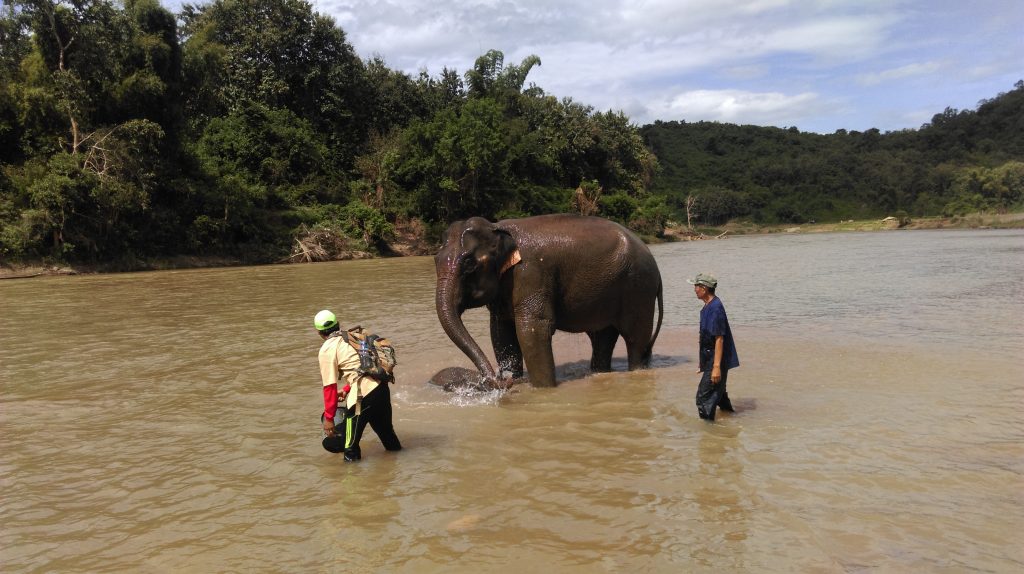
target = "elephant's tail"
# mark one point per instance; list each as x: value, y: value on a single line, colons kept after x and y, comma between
x: 661, y: 313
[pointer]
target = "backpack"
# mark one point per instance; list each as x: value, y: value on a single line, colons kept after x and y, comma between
x: 376, y: 354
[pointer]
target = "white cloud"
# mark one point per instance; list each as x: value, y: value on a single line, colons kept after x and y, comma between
x: 910, y: 70
x: 741, y: 107
x: 777, y: 62
x: 746, y: 72
x: 838, y: 38
x: 710, y: 31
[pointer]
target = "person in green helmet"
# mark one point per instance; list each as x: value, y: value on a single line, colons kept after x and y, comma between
x: 364, y: 399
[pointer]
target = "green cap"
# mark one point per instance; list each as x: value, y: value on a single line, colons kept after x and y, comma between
x: 704, y: 279
x: 324, y: 320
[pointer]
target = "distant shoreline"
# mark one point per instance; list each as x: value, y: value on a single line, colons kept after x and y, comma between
x: 673, y: 233
x: 970, y: 221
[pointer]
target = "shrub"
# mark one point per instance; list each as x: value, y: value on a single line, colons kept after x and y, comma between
x: 618, y: 207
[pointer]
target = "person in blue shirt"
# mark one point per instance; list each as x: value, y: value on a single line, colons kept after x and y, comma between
x: 717, y: 351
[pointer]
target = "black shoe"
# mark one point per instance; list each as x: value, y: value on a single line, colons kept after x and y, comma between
x: 352, y: 457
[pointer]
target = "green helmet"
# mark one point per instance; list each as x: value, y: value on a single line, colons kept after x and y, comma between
x: 324, y: 320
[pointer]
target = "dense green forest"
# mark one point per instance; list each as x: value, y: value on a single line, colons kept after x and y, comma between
x: 960, y: 162
x: 251, y: 129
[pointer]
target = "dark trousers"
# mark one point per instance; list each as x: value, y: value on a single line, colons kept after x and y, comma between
x: 375, y: 411
x: 711, y: 396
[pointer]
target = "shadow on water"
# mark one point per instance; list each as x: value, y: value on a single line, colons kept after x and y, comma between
x: 745, y: 404
x: 576, y: 370
x: 470, y: 383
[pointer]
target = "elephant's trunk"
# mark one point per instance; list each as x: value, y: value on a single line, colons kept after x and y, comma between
x: 449, y: 312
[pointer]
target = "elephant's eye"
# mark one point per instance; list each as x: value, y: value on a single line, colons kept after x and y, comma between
x: 469, y: 264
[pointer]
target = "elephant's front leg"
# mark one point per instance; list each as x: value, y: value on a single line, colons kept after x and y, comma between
x: 535, y: 341
x: 506, y: 346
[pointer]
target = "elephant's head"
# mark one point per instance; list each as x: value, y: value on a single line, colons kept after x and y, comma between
x: 469, y: 268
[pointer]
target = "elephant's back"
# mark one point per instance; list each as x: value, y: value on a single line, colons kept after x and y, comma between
x: 597, y: 267
x: 568, y: 241
x: 570, y: 231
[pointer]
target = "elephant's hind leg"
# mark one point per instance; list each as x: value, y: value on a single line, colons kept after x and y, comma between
x: 638, y: 354
x: 638, y: 340
x: 603, y: 344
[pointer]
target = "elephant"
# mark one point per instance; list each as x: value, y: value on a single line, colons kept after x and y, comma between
x: 536, y: 275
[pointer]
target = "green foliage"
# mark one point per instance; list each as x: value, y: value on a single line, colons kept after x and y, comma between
x: 647, y: 216
x: 714, y: 205
x: 245, y: 127
x: 619, y: 207
x: 356, y: 220
x: 365, y: 222
x: 618, y: 155
x: 983, y: 189
x: 490, y: 78
x: 776, y: 175
x: 457, y: 162
x: 651, y: 217
x: 533, y: 199
x: 280, y: 54
x: 271, y: 149
x: 395, y: 97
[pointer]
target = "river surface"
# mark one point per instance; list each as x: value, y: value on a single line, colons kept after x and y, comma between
x: 168, y: 422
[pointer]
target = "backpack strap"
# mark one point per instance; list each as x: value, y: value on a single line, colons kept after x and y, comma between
x: 348, y: 340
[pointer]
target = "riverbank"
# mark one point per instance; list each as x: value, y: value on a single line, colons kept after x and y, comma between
x: 408, y: 243
x: 28, y: 269
x: 971, y: 221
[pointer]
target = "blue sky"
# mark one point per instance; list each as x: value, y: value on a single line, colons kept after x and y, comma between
x: 819, y: 65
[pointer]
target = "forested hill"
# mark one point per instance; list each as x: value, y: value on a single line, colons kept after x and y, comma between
x: 251, y: 129
x: 961, y: 161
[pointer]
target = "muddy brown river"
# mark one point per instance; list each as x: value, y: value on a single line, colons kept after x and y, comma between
x: 168, y: 422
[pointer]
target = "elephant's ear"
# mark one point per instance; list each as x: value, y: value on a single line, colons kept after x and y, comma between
x: 450, y: 232
x: 508, y: 251
x: 512, y: 260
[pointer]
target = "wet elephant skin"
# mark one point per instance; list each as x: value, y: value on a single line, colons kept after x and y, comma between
x: 541, y: 274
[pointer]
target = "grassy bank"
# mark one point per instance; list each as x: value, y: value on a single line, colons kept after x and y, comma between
x: 26, y: 269
x: 971, y: 221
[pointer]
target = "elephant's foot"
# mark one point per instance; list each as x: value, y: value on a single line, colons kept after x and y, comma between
x: 603, y: 343
x: 641, y: 362
x: 600, y: 363
x: 511, y: 373
x: 500, y: 384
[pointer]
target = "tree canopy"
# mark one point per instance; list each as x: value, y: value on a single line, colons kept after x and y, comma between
x: 240, y: 126
x: 252, y: 129
x: 966, y: 160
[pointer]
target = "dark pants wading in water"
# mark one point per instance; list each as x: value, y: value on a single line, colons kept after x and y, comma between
x: 711, y: 396
x: 375, y: 411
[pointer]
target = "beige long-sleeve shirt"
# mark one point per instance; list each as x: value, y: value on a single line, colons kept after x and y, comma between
x: 338, y: 364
